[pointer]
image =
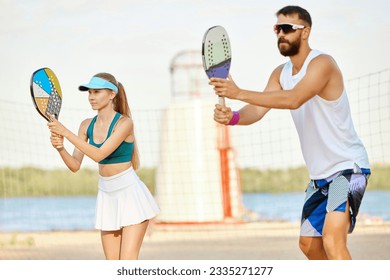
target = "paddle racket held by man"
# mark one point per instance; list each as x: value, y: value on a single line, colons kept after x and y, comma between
x: 216, y: 54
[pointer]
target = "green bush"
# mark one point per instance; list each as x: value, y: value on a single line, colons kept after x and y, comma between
x: 31, y: 181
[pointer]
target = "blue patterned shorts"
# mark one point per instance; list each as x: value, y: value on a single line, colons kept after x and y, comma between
x: 332, y: 194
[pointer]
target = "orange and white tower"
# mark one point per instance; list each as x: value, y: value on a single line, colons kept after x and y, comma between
x: 197, y: 176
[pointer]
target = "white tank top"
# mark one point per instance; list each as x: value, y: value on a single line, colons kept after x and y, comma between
x: 326, y: 132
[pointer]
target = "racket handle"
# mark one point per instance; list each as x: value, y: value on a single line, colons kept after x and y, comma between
x: 221, y: 101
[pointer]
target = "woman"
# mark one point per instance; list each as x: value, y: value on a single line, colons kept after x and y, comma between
x: 124, y: 204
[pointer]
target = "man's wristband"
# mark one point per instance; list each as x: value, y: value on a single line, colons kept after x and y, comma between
x: 234, y: 120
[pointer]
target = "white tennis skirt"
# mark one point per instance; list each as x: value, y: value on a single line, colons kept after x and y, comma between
x: 123, y: 200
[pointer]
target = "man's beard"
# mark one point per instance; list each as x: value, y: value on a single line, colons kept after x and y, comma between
x: 291, y: 49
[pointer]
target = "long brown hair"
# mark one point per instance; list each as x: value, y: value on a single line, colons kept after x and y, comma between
x: 121, y: 106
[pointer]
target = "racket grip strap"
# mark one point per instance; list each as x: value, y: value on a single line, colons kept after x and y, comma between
x: 234, y: 120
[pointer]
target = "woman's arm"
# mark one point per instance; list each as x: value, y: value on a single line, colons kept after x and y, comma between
x: 73, y: 162
x: 123, y: 129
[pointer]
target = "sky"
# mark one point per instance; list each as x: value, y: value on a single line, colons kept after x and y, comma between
x: 137, y: 42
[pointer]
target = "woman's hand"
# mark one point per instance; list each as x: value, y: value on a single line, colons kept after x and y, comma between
x: 57, y: 141
x: 56, y: 128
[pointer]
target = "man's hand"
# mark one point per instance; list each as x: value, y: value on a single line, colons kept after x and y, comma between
x: 225, y: 87
x: 222, y: 114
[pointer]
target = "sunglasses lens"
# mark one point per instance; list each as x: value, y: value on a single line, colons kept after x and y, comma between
x: 286, y: 28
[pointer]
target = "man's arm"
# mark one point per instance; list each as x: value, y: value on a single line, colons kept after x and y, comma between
x: 319, y: 72
x: 250, y: 113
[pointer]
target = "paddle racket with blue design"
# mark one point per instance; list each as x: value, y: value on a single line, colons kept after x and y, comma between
x: 46, y: 93
x: 216, y: 54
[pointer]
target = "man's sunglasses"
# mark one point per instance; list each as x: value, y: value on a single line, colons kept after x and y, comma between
x: 287, y: 27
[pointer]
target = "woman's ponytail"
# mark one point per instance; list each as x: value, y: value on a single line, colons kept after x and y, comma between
x: 121, y: 106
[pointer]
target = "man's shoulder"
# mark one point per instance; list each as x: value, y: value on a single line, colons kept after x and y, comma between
x: 322, y: 60
x: 280, y: 67
x: 320, y: 55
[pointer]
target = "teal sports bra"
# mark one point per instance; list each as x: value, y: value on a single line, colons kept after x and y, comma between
x: 123, y: 153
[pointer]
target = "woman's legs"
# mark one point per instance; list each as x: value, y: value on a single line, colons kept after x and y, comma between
x: 132, y: 237
x: 124, y: 244
x: 111, y: 241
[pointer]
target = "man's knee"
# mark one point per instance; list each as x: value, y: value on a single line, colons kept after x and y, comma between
x: 335, y: 248
x: 312, y: 248
x: 304, y: 245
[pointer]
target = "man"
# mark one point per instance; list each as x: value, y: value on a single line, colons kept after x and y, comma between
x: 311, y: 85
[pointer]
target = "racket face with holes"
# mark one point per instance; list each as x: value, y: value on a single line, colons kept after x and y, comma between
x: 46, y: 93
x: 216, y: 52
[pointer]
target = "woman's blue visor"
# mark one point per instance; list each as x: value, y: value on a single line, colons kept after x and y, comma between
x: 98, y: 83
